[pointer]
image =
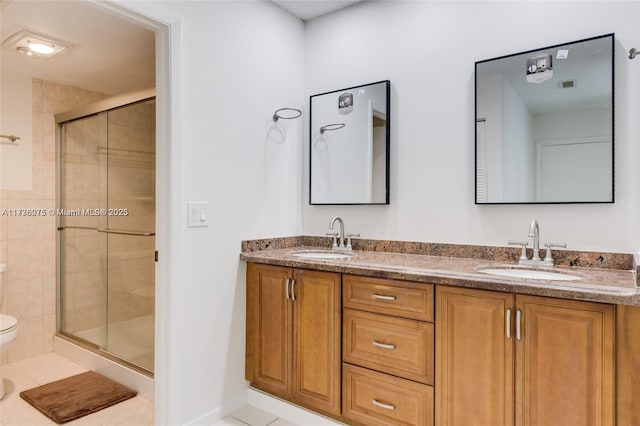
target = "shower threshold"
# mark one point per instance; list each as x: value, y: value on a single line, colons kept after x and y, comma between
x: 113, y: 367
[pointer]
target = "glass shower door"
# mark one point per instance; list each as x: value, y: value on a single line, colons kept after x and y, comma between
x: 129, y: 231
x: 83, y: 280
x: 107, y: 238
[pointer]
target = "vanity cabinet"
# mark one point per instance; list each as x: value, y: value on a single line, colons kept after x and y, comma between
x: 388, y: 351
x: 505, y: 359
x: 293, y: 335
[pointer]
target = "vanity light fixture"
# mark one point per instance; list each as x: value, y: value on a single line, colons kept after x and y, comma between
x: 35, y: 45
x: 539, y: 68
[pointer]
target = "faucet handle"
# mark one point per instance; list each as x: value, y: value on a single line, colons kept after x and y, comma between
x: 349, y: 236
x: 548, y: 257
x: 335, y: 238
x: 523, y: 244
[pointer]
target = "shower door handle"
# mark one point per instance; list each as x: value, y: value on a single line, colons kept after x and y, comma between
x: 110, y: 231
x: 126, y: 232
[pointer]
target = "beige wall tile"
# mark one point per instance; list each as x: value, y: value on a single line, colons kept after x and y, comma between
x: 57, y: 98
x: 36, y: 95
x: 49, y: 330
x: 49, y: 267
x: 24, y: 259
x: 49, y: 295
x: 36, y: 125
x: 25, y: 298
x: 39, y: 226
x: 29, y: 340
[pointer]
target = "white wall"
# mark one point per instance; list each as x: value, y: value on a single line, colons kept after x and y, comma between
x: 237, y: 62
x: 429, y: 50
x: 518, y: 148
x: 489, y: 107
x: 588, y: 123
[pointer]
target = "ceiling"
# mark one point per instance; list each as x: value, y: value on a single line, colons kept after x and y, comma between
x: 310, y: 9
x: 588, y: 65
x: 109, y: 54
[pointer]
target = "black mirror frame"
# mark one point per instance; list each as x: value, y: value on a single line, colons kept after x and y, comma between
x: 388, y: 143
x: 475, y: 127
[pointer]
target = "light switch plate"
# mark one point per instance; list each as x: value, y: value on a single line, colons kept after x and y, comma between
x: 197, y: 214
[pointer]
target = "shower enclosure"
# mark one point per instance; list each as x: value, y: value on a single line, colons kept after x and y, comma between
x: 106, y: 227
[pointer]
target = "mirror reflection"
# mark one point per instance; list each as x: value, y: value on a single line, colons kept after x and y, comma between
x: 544, y: 125
x: 349, y: 145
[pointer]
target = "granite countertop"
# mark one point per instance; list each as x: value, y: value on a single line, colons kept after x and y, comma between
x: 597, y: 284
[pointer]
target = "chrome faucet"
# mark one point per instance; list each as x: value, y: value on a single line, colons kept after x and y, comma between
x: 341, y: 235
x: 534, y: 231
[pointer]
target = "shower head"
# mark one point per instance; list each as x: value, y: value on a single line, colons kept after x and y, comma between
x: 632, y: 53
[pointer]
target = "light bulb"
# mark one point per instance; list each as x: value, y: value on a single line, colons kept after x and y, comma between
x: 43, y: 49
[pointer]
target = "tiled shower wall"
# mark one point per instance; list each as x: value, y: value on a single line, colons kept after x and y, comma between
x: 27, y: 244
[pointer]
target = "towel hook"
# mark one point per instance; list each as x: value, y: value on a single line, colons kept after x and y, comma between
x: 12, y: 138
x: 633, y: 52
x: 295, y: 113
x: 329, y: 127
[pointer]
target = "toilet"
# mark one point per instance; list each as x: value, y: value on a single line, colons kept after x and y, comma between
x: 8, y: 330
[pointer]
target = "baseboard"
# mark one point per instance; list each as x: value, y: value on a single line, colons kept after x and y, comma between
x: 218, y: 413
x: 287, y: 411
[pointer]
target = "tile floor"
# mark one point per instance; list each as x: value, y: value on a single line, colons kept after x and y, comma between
x: 28, y: 373
x: 138, y: 411
x: 252, y: 416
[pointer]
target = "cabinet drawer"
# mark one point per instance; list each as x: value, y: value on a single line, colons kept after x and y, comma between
x: 392, y: 345
x: 377, y: 399
x: 392, y: 297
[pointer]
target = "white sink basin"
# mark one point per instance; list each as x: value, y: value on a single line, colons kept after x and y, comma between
x: 532, y: 274
x: 319, y: 254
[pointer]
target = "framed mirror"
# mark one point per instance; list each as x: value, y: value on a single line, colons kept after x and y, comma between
x: 349, y: 145
x: 545, y: 125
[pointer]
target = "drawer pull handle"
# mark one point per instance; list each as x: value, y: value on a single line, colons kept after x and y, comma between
x: 383, y: 297
x: 383, y: 405
x: 286, y: 288
x: 383, y: 345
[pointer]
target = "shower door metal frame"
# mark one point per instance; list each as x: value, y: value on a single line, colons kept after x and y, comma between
x: 84, y: 111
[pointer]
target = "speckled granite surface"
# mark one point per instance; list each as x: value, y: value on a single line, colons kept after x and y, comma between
x: 610, y: 277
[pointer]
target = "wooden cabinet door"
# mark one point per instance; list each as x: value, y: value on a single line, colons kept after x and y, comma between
x: 474, y: 358
x: 269, y: 329
x: 627, y: 364
x: 317, y: 325
x: 565, y: 363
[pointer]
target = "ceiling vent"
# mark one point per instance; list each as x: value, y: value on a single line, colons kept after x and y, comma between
x: 35, y: 45
x: 567, y: 84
